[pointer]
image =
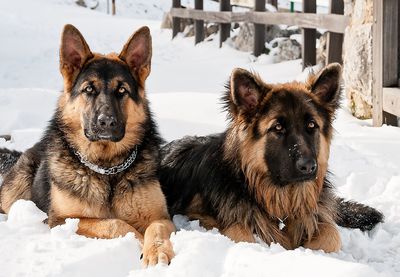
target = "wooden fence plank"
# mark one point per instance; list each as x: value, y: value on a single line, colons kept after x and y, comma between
x: 390, y: 43
x: 198, y: 24
x: 259, y: 30
x: 391, y: 100
x: 331, y: 22
x: 309, y: 51
x: 385, y: 57
x: 224, y: 28
x: 377, y: 111
x: 176, y: 21
x: 335, y: 40
x: 216, y: 17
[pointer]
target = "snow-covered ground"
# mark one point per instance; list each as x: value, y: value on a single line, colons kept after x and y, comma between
x: 184, y: 89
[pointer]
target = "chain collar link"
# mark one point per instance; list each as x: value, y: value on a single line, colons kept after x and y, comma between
x: 111, y: 170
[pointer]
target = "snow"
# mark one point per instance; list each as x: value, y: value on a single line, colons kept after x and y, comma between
x: 30, y: 248
x: 184, y: 90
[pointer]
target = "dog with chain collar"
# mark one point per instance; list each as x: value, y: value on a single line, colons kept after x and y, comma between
x: 98, y: 159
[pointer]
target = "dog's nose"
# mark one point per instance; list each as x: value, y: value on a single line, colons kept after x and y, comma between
x: 306, y: 166
x: 106, y: 121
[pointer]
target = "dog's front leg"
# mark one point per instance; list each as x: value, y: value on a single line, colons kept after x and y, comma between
x: 157, y: 247
x: 106, y: 228
x: 102, y: 228
x: 239, y: 233
x: 327, y: 238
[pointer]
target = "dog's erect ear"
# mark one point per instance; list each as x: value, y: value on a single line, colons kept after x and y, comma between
x: 74, y: 52
x: 326, y: 85
x: 137, y: 54
x: 246, y: 93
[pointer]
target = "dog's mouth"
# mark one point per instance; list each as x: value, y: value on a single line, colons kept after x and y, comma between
x: 295, y: 180
x: 106, y: 136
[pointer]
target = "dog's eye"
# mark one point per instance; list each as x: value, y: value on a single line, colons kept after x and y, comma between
x: 122, y: 90
x: 311, y: 125
x: 278, y: 127
x: 88, y: 89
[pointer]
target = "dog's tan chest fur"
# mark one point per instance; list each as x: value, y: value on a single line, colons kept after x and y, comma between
x: 83, y: 194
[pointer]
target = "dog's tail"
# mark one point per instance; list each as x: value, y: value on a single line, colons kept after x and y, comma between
x: 356, y: 215
x: 7, y: 159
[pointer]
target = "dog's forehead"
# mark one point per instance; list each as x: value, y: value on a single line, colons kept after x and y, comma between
x: 293, y: 103
x: 106, y: 69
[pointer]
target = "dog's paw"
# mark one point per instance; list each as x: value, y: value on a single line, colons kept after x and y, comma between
x: 157, y: 251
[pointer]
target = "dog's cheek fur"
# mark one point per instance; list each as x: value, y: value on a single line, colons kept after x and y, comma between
x: 252, y: 157
x: 136, y: 113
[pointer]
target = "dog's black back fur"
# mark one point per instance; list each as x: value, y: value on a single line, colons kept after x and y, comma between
x: 194, y: 165
x: 7, y: 159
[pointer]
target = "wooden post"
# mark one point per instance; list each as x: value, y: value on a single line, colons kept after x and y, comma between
x: 377, y: 56
x: 224, y: 28
x: 274, y: 3
x: 113, y: 7
x: 390, y: 52
x: 390, y: 43
x: 259, y: 30
x: 176, y: 21
x: 309, y: 52
x: 198, y: 24
x: 335, y: 40
x: 384, y: 57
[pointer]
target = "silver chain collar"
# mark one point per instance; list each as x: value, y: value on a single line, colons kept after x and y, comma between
x: 111, y: 170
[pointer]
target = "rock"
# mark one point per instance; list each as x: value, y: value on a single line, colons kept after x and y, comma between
x: 211, y: 29
x: 187, y: 26
x: 357, y: 57
x: 244, y: 41
x: 286, y: 32
x: 188, y: 31
x: 81, y: 3
x: 359, y: 108
x: 166, y: 22
x: 272, y: 32
x: 285, y: 49
x: 321, y: 50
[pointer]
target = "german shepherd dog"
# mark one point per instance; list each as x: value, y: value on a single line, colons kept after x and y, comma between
x: 267, y: 174
x: 99, y: 157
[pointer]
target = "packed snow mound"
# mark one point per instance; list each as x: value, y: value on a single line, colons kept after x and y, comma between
x: 60, y: 252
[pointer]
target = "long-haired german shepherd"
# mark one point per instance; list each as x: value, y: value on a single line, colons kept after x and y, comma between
x: 99, y: 158
x: 267, y: 174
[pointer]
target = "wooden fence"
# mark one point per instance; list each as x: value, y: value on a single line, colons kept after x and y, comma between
x: 386, y: 62
x: 335, y: 23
